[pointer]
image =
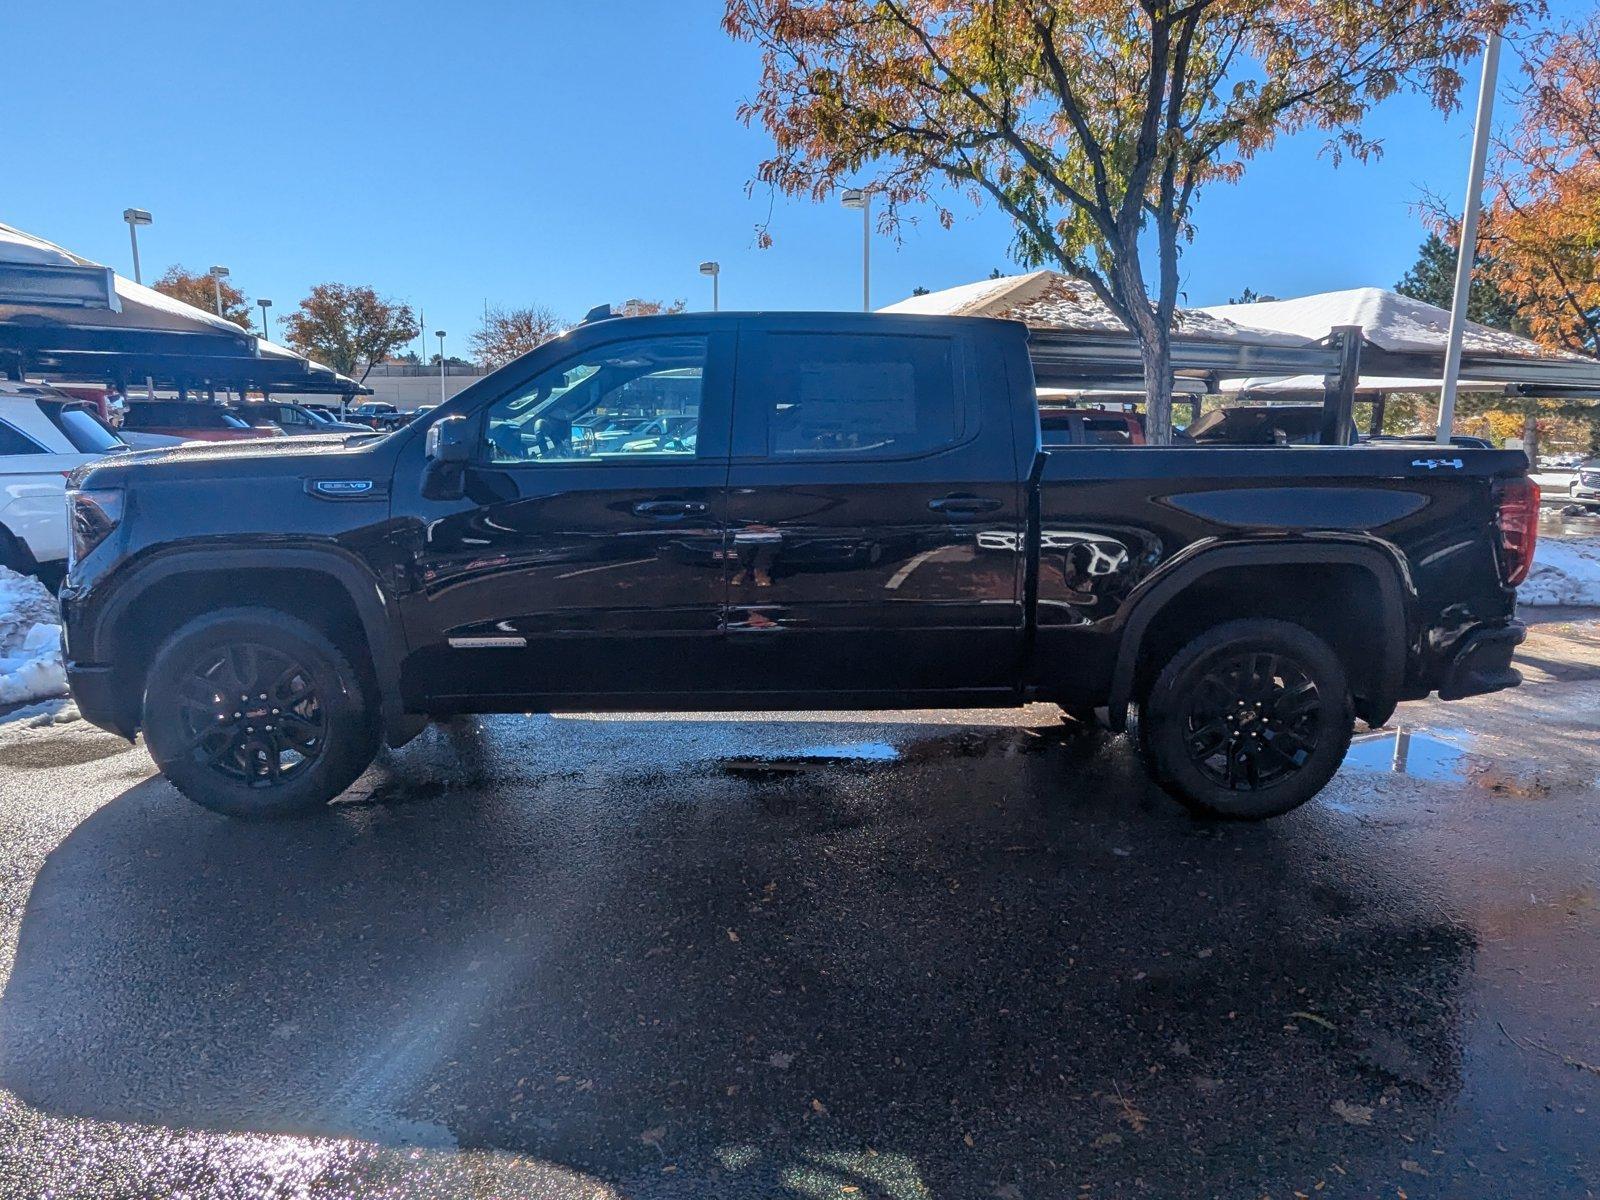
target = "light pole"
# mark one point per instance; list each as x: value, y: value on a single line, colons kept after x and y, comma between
x: 439, y: 333
x: 135, y: 217
x: 264, y: 304
x: 715, y: 271
x: 218, y: 274
x: 862, y: 198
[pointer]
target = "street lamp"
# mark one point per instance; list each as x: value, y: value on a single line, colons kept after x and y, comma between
x: 264, y: 304
x: 218, y: 274
x: 439, y: 333
x: 715, y: 271
x: 862, y: 198
x: 135, y: 217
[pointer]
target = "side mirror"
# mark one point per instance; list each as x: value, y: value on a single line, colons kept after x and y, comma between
x: 448, y: 448
x: 448, y: 441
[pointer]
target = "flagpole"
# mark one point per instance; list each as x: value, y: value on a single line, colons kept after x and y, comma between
x: 1467, y: 244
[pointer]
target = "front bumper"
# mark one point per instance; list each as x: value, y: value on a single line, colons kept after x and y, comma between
x: 97, y: 699
x: 1483, y: 663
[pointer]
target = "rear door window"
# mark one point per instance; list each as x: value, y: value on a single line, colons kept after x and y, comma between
x: 14, y: 441
x: 853, y: 396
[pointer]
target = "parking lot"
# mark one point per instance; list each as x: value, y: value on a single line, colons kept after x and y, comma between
x: 914, y: 955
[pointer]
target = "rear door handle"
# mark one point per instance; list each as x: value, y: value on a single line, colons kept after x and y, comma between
x: 963, y: 506
x: 669, y: 508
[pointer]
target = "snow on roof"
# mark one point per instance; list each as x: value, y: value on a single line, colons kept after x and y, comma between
x: 985, y: 298
x: 1364, y: 383
x: 142, y: 307
x: 1388, y: 320
x: 19, y: 247
x: 1050, y: 300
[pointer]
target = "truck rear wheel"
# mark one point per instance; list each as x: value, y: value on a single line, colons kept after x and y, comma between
x: 1249, y: 720
x: 253, y: 713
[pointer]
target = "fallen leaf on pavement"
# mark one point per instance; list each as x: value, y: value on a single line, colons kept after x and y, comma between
x: 1314, y: 1019
x: 1352, y: 1114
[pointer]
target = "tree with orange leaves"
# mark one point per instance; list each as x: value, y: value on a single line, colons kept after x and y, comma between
x: 1092, y: 124
x: 1541, y: 222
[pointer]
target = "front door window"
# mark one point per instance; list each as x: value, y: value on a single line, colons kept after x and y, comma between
x: 624, y: 401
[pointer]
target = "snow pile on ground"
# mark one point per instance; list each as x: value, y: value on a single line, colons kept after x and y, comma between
x: 30, y: 641
x: 1565, y: 571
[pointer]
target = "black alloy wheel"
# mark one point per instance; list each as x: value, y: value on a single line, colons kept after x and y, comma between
x: 253, y: 714
x: 1252, y: 719
x: 1249, y: 720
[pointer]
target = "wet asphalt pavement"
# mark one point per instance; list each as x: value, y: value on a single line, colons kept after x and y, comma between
x: 915, y: 955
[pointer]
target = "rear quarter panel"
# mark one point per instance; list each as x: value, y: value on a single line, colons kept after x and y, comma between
x: 1114, y: 522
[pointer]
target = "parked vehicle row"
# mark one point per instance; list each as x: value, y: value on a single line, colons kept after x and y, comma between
x: 44, y: 437
x: 867, y: 517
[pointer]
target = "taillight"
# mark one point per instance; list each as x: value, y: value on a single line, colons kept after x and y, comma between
x: 1516, y: 516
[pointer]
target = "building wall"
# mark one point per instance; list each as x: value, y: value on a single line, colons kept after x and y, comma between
x: 408, y: 392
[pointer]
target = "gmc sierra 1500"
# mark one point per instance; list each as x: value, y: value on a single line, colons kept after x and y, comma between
x: 799, y: 511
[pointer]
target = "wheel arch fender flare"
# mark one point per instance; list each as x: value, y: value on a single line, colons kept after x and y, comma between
x: 1386, y: 568
x: 374, y: 609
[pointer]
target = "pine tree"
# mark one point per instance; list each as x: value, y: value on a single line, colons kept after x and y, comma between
x: 1432, y: 279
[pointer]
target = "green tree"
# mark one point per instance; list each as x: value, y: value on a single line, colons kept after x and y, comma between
x: 1091, y: 124
x: 1432, y: 278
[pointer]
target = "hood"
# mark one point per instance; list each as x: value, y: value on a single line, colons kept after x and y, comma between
x: 252, y: 458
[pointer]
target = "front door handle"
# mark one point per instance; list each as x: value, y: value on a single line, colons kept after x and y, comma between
x: 963, y: 506
x: 668, y: 509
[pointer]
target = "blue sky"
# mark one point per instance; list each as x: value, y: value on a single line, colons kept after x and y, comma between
x: 548, y: 151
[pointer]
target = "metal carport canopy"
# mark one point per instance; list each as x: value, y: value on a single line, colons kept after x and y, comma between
x: 53, y: 323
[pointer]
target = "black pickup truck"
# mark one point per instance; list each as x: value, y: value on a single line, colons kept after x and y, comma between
x: 810, y: 511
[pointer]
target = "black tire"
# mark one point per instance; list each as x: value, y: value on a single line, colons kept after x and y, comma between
x: 1249, y: 720
x: 300, y: 734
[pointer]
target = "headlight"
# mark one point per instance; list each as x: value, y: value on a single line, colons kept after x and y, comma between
x: 93, y: 514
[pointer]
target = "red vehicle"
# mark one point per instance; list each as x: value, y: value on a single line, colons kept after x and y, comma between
x: 192, y: 421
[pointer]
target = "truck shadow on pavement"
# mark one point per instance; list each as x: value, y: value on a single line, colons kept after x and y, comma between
x: 982, y: 960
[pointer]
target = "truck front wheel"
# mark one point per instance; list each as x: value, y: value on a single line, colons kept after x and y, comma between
x: 253, y: 713
x: 1249, y: 720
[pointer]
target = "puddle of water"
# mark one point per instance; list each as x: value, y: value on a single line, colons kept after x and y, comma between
x: 1407, y: 752
x: 1426, y: 755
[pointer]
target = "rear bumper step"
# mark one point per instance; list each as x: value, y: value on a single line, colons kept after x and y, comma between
x: 1483, y: 664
